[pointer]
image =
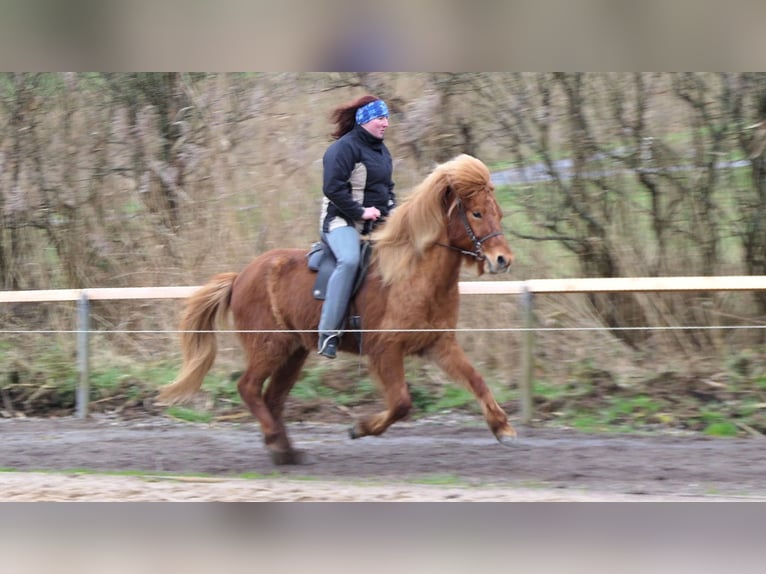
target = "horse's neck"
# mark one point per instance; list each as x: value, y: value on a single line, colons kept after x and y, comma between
x: 447, y: 262
x: 437, y: 274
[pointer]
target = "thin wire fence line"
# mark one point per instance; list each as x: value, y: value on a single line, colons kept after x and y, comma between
x: 456, y: 330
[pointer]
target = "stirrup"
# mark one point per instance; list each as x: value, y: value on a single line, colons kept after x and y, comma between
x: 329, y: 346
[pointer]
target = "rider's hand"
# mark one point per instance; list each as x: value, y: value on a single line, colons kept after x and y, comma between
x: 371, y: 213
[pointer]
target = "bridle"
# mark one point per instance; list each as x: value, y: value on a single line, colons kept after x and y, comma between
x: 477, y: 251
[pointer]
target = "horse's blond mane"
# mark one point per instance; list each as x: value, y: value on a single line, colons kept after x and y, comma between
x: 415, y: 225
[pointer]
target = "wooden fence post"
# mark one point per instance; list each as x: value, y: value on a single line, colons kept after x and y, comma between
x: 83, y: 354
x: 527, y: 356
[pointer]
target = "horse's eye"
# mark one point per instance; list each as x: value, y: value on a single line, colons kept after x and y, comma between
x: 477, y: 214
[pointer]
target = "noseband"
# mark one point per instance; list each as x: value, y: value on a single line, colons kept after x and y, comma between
x: 477, y: 252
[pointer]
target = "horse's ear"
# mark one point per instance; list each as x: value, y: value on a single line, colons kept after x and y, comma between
x: 448, y: 198
x: 447, y: 195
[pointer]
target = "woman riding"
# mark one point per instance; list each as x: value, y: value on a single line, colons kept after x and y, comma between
x: 358, y: 195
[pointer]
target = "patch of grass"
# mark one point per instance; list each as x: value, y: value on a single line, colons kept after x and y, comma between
x: 503, y: 391
x: 452, y: 397
x: 637, y: 408
x: 308, y: 386
x: 546, y: 389
x: 302, y: 477
x: 108, y: 380
x: 440, y: 480
x: 722, y: 429
x: 423, y: 398
x: 749, y: 407
x: 587, y: 422
x: 709, y: 417
x: 324, y: 383
x: 260, y: 475
x: 223, y: 388
x: 188, y: 414
x: 363, y: 389
x: 760, y: 382
x: 134, y: 381
x: 88, y: 471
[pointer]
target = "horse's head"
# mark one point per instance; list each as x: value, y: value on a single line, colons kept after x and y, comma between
x: 459, y: 192
x: 474, y: 216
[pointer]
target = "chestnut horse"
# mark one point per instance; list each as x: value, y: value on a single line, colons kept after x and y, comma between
x: 408, y: 305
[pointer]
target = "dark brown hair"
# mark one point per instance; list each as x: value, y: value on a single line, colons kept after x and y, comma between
x: 344, y: 116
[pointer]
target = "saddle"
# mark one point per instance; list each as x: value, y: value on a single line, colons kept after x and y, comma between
x: 320, y: 259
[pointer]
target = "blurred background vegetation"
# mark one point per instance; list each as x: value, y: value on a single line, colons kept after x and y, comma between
x: 145, y: 179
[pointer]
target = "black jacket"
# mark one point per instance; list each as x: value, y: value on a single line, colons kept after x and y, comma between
x: 357, y: 174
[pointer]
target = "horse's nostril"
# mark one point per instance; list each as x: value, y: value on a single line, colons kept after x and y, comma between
x: 502, y: 263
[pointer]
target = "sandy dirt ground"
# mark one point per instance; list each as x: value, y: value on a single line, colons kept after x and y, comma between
x: 445, y: 458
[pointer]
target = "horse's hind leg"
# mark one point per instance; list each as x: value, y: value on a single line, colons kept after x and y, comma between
x: 448, y: 355
x: 275, y: 395
x: 388, y: 370
x: 250, y: 388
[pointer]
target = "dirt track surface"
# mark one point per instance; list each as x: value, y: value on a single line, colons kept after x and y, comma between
x: 449, y: 458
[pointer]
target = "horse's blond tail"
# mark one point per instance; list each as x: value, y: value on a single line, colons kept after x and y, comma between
x: 204, y: 310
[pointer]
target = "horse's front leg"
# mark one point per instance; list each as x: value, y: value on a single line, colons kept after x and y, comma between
x: 388, y: 371
x: 451, y: 358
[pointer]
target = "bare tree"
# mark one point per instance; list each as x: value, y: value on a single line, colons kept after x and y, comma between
x: 19, y: 103
x: 749, y: 110
x: 162, y: 172
x: 629, y: 173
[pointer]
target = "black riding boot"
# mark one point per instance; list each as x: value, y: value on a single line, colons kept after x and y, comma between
x: 328, y: 345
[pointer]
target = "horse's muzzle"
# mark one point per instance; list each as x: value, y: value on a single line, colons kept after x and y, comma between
x: 498, y: 263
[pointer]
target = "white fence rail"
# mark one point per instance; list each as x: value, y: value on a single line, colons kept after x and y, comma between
x: 526, y: 289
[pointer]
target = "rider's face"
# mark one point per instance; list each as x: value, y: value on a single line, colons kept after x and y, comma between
x: 377, y: 127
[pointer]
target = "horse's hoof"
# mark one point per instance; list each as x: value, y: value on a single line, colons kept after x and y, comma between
x: 353, y: 433
x: 285, y: 457
x: 507, y: 439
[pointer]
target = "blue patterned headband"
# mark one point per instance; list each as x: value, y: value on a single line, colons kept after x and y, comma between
x: 371, y: 111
